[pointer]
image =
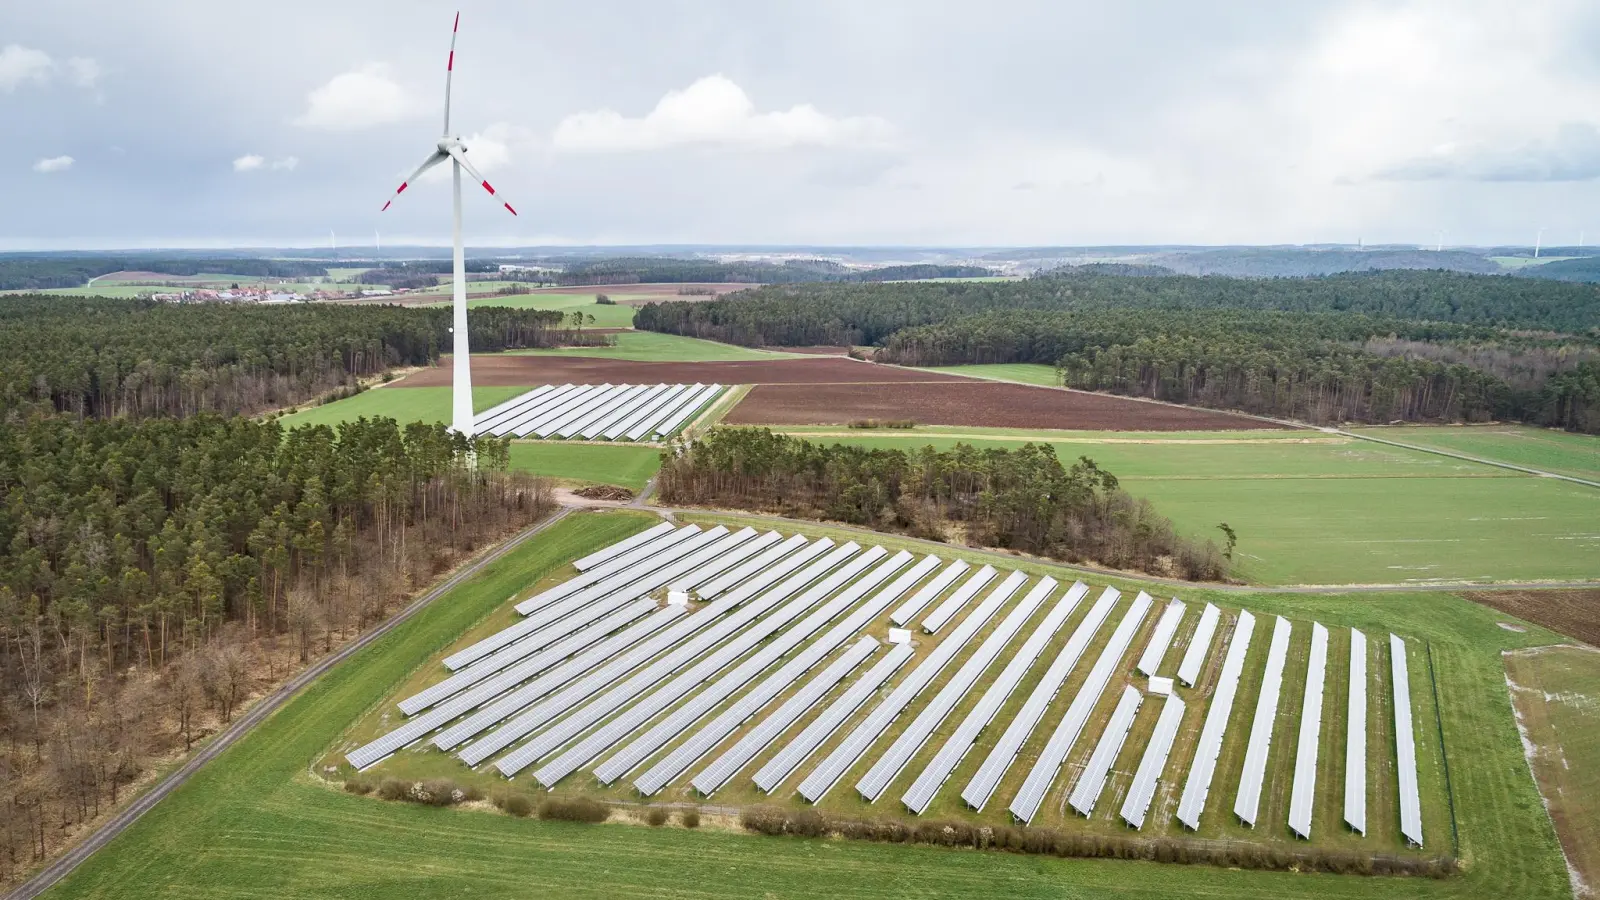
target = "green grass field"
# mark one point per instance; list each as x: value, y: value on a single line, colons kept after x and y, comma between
x: 404, y: 405
x: 1027, y: 373
x: 605, y: 316
x: 651, y: 346
x: 1561, y: 452
x: 257, y: 822
x: 625, y: 465
x: 1311, y: 508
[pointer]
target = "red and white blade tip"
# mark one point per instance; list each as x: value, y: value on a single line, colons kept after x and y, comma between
x: 457, y: 26
x: 510, y: 210
x: 489, y: 187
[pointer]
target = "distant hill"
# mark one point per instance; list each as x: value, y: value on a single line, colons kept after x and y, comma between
x: 1273, y: 262
x: 1585, y: 270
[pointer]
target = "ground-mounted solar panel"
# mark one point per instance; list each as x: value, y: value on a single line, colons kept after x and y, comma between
x: 1143, y: 789
x: 1405, y: 739
x: 1199, y: 645
x: 757, y: 739
x: 1086, y: 793
x: 538, y: 425
x: 787, y: 760
x: 647, y: 575
x: 650, y: 410
x: 597, y: 401
x: 547, y: 680
x: 740, y: 573
x: 843, y: 590
x: 1355, y: 746
x: 680, y: 417
x: 599, y: 408
x: 1204, y: 765
x: 704, y: 629
x: 636, y: 397
x: 894, y: 759
x: 925, y: 595
x: 1247, y: 803
x: 1161, y: 638
x: 937, y: 771
x: 983, y: 783
x: 1043, y: 774
x: 509, y: 420
x: 487, y: 419
x: 736, y: 557
x: 623, y: 546
x: 644, y: 558
x: 1303, y: 796
x: 958, y: 598
x: 721, y: 645
x: 855, y: 744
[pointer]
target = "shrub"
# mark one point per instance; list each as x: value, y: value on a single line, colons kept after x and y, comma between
x: 514, y: 804
x: 358, y: 785
x: 883, y: 423
x: 603, y: 300
x: 762, y: 819
x: 807, y: 823
x: 655, y: 817
x: 690, y: 818
x: 574, y: 809
x: 393, y: 789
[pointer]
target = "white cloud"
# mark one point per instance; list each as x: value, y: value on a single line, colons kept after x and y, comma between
x: 53, y: 164
x: 356, y: 99
x: 490, y: 150
x: 287, y: 164
x: 715, y: 111
x: 19, y: 65
x: 248, y: 163
x: 1572, y: 155
x: 253, y: 161
x: 83, y: 71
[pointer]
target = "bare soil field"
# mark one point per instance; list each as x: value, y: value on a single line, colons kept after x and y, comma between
x: 971, y: 403
x: 509, y: 370
x: 1575, y: 613
x: 812, y: 351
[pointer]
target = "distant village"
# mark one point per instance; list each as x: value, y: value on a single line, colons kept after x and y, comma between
x: 270, y: 294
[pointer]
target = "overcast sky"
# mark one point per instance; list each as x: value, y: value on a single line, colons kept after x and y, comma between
x: 198, y: 123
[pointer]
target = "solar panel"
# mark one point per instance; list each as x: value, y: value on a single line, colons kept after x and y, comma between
x: 669, y: 425
x: 618, y: 728
x: 1204, y: 765
x: 1248, y: 802
x: 558, y: 424
x: 1304, y: 792
x: 599, y: 409
x: 745, y: 569
x: 925, y: 595
x: 1199, y: 645
x: 1166, y: 627
x: 894, y: 759
x: 833, y: 766
x: 681, y: 719
x: 1355, y: 747
x: 645, y: 576
x: 1093, y: 780
x: 1043, y: 774
x: 623, y: 546
x: 1143, y: 788
x: 783, y: 764
x: 736, y: 632
x: 987, y: 778
x: 768, y: 729
x: 1405, y: 744
x: 557, y: 674
x: 969, y: 589
x: 708, y: 618
x: 650, y: 410
x: 938, y: 770
x: 507, y: 421
x: 637, y: 556
x: 636, y: 397
x: 494, y: 413
x: 539, y: 424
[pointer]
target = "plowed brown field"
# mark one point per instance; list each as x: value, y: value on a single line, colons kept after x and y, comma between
x: 1575, y: 612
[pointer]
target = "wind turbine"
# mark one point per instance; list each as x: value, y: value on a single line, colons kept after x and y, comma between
x: 451, y: 148
x: 1538, y: 240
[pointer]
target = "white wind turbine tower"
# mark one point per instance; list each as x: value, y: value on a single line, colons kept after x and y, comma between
x: 451, y: 148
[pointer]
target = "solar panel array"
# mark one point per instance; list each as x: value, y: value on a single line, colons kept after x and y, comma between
x: 1161, y: 639
x: 622, y: 546
x: 1043, y: 774
x: 1303, y: 795
x: 1199, y: 645
x: 1248, y: 802
x: 605, y: 412
x: 1355, y: 747
x: 1209, y: 747
x: 1143, y: 789
x: 909, y: 609
x: 1405, y: 744
x: 948, y: 609
x: 1093, y: 780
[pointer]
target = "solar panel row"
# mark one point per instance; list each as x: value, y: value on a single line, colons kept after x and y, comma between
x: 987, y: 778
x: 742, y: 572
x: 927, y: 592
x: 1247, y: 802
x: 1199, y: 645
x: 650, y: 574
x: 1043, y: 774
x: 969, y: 589
x: 1161, y: 639
x: 623, y: 546
x: 1093, y: 780
x: 1405, y: 744
x: 894, y: 759
x: 603, y: 411
x: 724, y: 767
x: 938, y: 770
x: 1355, y: 747
x: 624, y: 562
x: 1204, y: 765
x: 1303, y: 794
x: 1143, y: 788
x: 855, y: 744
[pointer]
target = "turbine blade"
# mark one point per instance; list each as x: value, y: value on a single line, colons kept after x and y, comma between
x: 461, y: 159
x: 438, y: 156
x: 450, y: 72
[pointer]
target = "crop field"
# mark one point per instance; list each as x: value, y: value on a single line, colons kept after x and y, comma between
x: 1575, y: 613
x: 1556, y: 691
x: 1313, y: 508
x: 430, y: 405
x: 259, y: 822
x: 620, y: 464
x: 1561, y: 452
x: 527, y: 371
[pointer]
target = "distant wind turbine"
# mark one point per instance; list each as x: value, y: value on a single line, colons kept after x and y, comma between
x: 452, y: 149
x: 1439, y: 248
x: 1538, y: 241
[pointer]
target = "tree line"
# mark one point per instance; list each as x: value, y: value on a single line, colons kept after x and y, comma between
x: 97, y: 357
x: 156, y: 573
x: 1024, y: 499
x: 38, y: 273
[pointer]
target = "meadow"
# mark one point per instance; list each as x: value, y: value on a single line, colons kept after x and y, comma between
x: 1027, y: 373
x: 1562, y: 452
x: 605, y: 316
x: 650, y: 346
x: 1312, y: 508
x: 260, y: 822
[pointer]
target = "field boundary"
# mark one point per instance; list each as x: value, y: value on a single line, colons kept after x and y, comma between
x: 1444, y: 753
x: 1472, y: 459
